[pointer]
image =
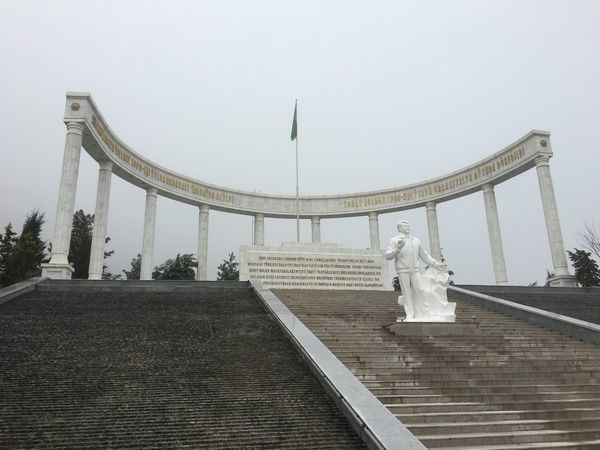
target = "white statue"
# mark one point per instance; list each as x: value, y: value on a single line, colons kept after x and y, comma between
x: 423, y: 292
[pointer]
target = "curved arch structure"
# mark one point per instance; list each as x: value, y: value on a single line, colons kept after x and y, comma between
x: 87, y: 128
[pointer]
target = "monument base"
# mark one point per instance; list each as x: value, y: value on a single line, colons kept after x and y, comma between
x: 563, y: 281
x: 314, y: 265
x: 57, y: 271
x: 434, y: 329
x: 451, y: 318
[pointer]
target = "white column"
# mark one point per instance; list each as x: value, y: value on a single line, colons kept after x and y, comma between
x: 100, y: 221
x: 432, y: 227
x: 203, y: 242
x: 557, y: 247
x: 59, y: 266
x: 374, y: 230
x: 148, y: 239
x: 491, y: 213
x: 259, y: 230
x: 315, y: 225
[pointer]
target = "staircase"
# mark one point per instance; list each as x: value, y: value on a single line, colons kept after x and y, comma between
x: 512, y: 385
x: 156, y: 365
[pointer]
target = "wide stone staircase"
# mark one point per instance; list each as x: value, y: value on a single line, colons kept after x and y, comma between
x: 107, y: 366
x: 507, y: 385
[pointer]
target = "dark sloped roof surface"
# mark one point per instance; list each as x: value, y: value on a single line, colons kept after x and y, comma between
x: 91, y: 369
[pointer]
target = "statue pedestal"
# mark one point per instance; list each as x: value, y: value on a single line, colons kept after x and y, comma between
x: 434, y: 329
x: 450, y: 318
x: 57, y: 271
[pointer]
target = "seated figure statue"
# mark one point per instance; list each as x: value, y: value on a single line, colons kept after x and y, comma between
x: 423, y: 293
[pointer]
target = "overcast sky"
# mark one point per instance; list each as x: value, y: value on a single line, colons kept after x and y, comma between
x: 389, y: 93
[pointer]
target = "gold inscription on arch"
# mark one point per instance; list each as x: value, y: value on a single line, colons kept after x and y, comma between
x: 158, y: 175
x: 425, y: 192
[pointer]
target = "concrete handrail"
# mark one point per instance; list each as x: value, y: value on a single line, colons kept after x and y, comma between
x: 374, y: 423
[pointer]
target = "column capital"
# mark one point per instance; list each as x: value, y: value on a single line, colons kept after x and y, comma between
x: 487, y: 187
x: 106, y: 165
x: 373, y: 215
x: 259, y: 216
x: 542, y: 160
x: 75, y: 128
x: 315, y: 219
x: 430, y: 206
x: 204, y: 208
x: 152, y: 191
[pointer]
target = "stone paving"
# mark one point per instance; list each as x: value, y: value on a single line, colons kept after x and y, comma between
x: 157, y: 370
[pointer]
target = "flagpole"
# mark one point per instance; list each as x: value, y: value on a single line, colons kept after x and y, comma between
x: 297, y: 188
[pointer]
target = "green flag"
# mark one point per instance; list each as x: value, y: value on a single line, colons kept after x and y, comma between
x: 295, y: 123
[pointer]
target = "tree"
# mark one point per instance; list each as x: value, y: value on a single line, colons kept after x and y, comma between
x: 591, y: 239
x: 8, y: 240
x: 28, y: 252
x: 81, y: 247
x: 107, y: 274
x: 180, y: 268
x: 136, y: 265
x: 586, y: 269
x: 229, y: 269
x: 81, y: 243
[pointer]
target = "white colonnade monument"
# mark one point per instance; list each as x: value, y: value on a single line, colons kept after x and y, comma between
x: 87, y: 128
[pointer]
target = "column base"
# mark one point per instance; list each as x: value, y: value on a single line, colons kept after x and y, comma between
x: 57, y: 271
x: 563, y: 281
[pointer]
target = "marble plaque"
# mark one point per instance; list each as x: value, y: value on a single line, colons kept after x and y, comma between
x: 308, y: 265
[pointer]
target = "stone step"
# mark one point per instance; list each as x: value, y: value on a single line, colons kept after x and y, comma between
x: 487, y: 398
x: 505, y: 426
x: 570, y: 413
x: 535, y: 377
x: 495, y: 389
x: 396, y: 352
x: 470, y: 383
x: 454, y: 346
x: 590, y: 364
x: 475, y: 371
x: 508, y: 438
x: 398, y: 408
x: 593, y: 444
x: 387, y: 357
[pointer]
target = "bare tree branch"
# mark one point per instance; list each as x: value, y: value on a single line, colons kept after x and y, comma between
x: 590, y: 237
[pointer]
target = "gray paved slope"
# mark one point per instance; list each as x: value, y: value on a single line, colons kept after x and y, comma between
x: 127, y: 370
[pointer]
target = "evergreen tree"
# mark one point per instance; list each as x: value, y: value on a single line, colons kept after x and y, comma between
x: 180, y: 268
x: 106, y: 274
x: 586, y: 269
x: 136, y: 266
x: 81, y: 246
x: 8, y: 241
x: 28, y: 250
x: 229, y: 269
x: 81, y: 243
